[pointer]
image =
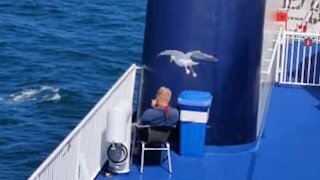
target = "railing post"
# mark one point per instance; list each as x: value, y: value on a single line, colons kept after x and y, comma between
x: 283, y: 51
x: 278, y: 41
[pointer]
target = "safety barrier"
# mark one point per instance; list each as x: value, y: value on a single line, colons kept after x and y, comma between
x: 298, y: 64
x: 81, y: 155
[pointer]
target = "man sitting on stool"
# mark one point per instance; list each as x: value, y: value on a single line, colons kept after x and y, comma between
x: 159, y: 120
x: 161, y: 114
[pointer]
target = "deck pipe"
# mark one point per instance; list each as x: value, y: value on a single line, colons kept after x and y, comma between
x: 229, y: 30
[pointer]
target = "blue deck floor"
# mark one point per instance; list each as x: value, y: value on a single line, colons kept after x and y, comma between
x: 289, y: 149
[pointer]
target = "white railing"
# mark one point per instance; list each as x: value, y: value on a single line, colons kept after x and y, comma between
x: 299, y: 59
x: 82, y: 153
x: 267, y: 81
x: 274, y: 56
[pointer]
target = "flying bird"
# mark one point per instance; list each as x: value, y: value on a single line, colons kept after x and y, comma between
x: 186, y: 59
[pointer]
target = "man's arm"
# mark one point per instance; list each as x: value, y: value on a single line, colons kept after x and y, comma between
x: 146, y: 116
x: 175, y: 115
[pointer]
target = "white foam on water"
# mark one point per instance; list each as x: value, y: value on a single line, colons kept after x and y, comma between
x: 37, y: 93
x: 24, y: 95
x: 56, y: 97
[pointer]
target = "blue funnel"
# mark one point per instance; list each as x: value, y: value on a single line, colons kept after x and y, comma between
x: 221, y: 41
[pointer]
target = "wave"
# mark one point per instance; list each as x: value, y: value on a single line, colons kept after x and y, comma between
x: 37, y: 93
x: 56, y: 97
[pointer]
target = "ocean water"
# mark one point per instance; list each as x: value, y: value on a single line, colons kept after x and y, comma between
x: 57, y: 58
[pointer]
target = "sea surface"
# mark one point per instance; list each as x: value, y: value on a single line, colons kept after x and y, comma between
x: 57, y: 59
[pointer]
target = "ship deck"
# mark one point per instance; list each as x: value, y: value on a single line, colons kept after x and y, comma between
x: 288, y: 149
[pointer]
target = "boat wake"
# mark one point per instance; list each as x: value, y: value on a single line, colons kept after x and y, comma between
x: 37, y: 93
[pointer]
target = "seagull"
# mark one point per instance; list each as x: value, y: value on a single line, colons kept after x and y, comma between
x: 185, y: 59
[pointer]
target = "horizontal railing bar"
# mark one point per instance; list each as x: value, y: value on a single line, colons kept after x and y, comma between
x: 299, y: 83
x: 300, y: 34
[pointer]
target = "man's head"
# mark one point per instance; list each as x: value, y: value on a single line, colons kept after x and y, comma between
x: 163, y: 96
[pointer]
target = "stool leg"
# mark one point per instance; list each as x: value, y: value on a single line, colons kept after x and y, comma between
x: 142, y: 158
x: 169, y: 157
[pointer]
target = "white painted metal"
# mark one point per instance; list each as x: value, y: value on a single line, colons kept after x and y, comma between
x: 273, y: 58
x: 144, y: 148
x: 119, y: 131
x: 298, y: 63
x: 267, y: 79
x: 83, y: 152
x: 118, y: 119
x: 303, y: 15
x: 194, y: 116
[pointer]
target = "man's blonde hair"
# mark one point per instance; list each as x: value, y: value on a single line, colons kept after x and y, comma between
x: 164, y: 94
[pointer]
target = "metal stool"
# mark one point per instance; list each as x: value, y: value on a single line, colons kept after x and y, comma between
x: 155, y: 135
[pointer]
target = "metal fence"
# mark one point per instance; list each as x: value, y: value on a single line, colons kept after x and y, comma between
x: 82, y: 153
x: 299, y: 64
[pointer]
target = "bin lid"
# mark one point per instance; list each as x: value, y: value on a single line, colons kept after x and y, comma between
x: 195, y: 98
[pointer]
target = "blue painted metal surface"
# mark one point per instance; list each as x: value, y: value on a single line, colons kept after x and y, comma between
x: 289, y: 149
x: 229, y: 30
x: 192, y: 139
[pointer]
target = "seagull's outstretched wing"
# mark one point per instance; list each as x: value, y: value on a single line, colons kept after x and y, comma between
x: 201, y: 55
x: 175, y: 53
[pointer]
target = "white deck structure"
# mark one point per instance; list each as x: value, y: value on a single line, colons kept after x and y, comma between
x: 83, y: 152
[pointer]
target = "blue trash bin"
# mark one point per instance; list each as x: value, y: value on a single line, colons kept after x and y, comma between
x: 194, y: 114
